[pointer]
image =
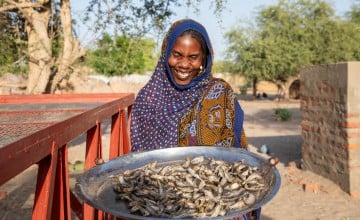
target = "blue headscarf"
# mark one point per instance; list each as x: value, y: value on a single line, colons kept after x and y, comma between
x: 179, y: 29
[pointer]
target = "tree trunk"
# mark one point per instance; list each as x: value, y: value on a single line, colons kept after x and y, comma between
x: 39, y: 48
x: 281, y: 90
x: 43, y: 77
x: 254, y: 87
x: 71, y: 48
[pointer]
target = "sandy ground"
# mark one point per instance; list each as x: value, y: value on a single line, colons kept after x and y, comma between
x: 302, y: 195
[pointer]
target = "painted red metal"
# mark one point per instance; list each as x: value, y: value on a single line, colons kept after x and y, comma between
x: 35, y: 129
x: 60, y: 98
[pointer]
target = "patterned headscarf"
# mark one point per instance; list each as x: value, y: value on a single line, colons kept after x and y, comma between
x: 161, y: 102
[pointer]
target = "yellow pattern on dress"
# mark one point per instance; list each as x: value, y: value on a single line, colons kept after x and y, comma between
x: 210, y: 121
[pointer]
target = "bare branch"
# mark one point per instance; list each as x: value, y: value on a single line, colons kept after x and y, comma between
x: 15, y: 5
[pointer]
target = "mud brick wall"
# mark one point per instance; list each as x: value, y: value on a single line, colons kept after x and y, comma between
x: 330, y: 109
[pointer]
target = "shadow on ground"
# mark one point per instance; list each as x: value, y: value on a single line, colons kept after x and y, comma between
x: 286, y: 148
x: 20, y: 198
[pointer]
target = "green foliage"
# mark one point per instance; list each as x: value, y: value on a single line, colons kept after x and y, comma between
x: 243, y: 89
x: 8, y: 51
x: 10, y: 56
x: 11, y: 45
x: 121, y: 55
x: 354, y: 14
x: 282, y: 114
x: 221, y: 67
x: 289, y: 36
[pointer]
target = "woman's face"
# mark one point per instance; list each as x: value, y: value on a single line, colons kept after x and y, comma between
x: 185, y: 59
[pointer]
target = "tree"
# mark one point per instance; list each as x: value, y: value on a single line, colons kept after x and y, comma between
x: 121, y: 55
x: 288, y: 36
x: 47, y: 71
x: 245, y: 53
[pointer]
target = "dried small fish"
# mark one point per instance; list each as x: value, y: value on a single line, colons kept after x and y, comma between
x: 249, y: 199
x: 197, y: 160
x: 196, y: 187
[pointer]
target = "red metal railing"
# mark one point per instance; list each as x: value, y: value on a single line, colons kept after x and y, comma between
x: 45, y: 142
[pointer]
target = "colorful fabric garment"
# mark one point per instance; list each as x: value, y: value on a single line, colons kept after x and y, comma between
x: 211, y: 121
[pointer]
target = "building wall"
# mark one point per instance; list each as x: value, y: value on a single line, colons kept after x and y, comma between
x: 330, y: 109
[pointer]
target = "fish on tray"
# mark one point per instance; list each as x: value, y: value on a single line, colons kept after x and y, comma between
x: 194, y: 187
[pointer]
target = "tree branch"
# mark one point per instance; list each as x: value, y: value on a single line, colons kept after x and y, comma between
x: 14, y: 5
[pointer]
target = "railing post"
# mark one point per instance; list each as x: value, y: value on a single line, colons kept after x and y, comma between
x: 61, y: 201
x: 93, y: 152
x: 115, y: 136
x: 45, y: 185
x: 119, y: 141
x: 124, y: 140
x: 76, y: 206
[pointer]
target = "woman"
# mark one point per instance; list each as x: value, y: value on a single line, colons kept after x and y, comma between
x: 183, y: 104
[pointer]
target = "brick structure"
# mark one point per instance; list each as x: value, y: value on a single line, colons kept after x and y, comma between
x: 330, y: 109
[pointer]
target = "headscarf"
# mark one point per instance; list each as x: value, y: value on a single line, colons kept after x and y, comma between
x: 162, y: 102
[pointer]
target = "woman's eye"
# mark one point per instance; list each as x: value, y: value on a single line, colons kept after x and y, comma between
x: 194, y: 58
x: 176, y: 55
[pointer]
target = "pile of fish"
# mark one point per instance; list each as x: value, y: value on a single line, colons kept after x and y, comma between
x: 195, y: 187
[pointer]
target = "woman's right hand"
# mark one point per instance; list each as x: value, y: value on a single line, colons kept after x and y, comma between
x: 273, y: 161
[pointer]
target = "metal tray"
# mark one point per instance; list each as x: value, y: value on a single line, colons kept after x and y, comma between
x: 95, y: 187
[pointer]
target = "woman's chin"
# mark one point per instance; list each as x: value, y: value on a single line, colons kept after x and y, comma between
x: 182, y: 83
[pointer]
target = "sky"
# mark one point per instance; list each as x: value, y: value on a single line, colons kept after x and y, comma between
x: 236, y: 10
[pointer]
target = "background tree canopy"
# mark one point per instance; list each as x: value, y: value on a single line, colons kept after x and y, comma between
x: 292, y: 35
x: 121, y: 55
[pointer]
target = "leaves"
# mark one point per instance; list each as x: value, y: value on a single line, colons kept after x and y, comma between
x: 121, y: 55
x: 292, y: 35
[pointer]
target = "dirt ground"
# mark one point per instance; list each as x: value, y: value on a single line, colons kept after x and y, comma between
x: 302, y: 195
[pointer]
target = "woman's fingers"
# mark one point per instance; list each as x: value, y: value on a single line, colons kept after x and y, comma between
x: 273, y: 161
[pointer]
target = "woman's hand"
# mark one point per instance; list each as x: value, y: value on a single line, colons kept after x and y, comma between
x: 99, y: 161
x: 273, y: 161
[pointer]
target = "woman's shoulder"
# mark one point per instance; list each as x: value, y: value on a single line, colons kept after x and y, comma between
x: 217, y: 81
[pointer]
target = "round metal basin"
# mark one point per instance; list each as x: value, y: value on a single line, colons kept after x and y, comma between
x: 96, y: 188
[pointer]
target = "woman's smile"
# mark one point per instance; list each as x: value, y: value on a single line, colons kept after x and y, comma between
x: 181, y: 75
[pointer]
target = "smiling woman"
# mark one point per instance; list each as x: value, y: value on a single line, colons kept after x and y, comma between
x: 183, y: 104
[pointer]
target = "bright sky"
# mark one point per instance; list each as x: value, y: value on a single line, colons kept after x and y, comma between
x: 237, y: 10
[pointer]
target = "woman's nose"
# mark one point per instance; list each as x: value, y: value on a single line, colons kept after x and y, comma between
x: 184, y: 63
